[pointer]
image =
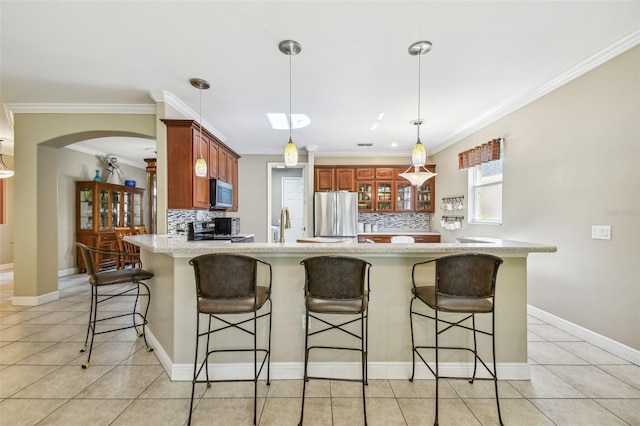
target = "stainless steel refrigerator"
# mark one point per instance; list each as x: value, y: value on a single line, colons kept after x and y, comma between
x: 336, y: 215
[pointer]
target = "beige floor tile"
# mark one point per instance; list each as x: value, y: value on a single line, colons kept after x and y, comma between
x: 19, y: 412
x: 57, y: 317
x: 594, y: 382
x: 87, y: 412
x: 627, y: 409
x: 347, y: 411
x: 552, y: 333
x: 65, y: 382
x: 514, y: 412
x: 56, y: 354
x: 20, y: 331
x: 142, y: 356
x: 286, y: 411
x: 576, y: 412
x: 545, y: 384
x: 17, y: 351
x: 123, y: 382
x: 483, y: 389
x: 384, y: 412
x: 236, y: 390
x: 155, y: 412
x: 54, y: 333
x: 163, y: 387
x: 590, y: 353
x: 226, y: 412
x: 56, y: 305
x: 533, y: 337
x: 534, y: 320
x: 422, y: 412
x: 111, y: 353
x: 286, y: 388
x: 20, y: 317
x: 550, y: 353
x: 629, y: 374
x: 375, y: 389
x: 421, y: 389
x: 6, y: 305
x: 17, y: 377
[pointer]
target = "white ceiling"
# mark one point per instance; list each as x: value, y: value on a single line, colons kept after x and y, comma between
x: 488, y: 58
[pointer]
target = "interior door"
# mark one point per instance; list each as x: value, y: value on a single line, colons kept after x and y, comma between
x: 293, y: 199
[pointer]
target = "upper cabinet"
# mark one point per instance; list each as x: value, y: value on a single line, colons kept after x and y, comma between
x: 330, y: 178
x: 185, y: 190
x: 380, y: 188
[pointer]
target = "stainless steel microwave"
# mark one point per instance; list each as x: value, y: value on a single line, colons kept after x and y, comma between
x: 220, y: 194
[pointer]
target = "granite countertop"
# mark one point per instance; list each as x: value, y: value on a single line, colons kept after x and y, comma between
x: 179, y: 247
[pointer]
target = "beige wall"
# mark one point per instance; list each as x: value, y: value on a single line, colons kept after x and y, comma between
x: 37, y: 136
x: 572, y: 160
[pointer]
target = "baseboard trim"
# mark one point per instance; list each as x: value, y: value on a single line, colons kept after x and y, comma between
x: 619, y: 349
x: 35, y: 300
x: 68, y: 271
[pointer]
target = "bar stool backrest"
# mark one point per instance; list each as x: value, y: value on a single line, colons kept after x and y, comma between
x: 335, y: 277
x: 470, y: 275
x: 225, y: 276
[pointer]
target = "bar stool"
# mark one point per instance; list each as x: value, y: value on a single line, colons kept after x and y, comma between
x: 336, y: 285
x: 465, y: 284
x: 227, y: 284
x: 101, y: 279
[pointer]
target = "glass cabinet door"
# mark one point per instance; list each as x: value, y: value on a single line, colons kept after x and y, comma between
x: 365, y: 196
x: 137, y: 210
x: 104, y: 209
x: 86, y: 208
x: 126, y: 209
x: 424, y: 201
x: 384, y: 196
x: 404, y: 196
x: 115, y: 209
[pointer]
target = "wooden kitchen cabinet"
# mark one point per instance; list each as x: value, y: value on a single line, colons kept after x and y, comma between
x: 386, y: 238
x: 365, y: 173
x: 101, y: 208
x: 330, y: 178
x: 185, y: 190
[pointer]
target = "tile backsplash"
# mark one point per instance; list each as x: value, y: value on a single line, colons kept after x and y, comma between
x: 177, y: 219
x: 391, y: 221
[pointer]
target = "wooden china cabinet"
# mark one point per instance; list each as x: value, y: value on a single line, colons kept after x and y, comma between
x: 101, y: 208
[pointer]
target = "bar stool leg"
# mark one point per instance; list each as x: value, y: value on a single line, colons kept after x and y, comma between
x: 364, y: 364
x: 195, y: 368
x: 413, y: 344
x: 475, y: 348
x: 305, y: 378
x: 495, y: 372
x: 437, y: 372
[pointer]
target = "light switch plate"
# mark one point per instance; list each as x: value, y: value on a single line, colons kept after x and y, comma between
x: 601, y: 232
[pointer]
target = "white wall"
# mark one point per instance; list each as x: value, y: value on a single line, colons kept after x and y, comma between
x: 572, y: 160
x: 6, y: 228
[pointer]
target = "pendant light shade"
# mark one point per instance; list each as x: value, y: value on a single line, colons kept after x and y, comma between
x: 5, y: 172
x: 419, y: 155
x: 290, y: 48
x: 200, y: 167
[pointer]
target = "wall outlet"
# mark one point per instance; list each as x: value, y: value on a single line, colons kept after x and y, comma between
x: 601, y: 232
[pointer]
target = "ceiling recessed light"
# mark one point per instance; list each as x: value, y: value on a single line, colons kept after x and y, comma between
x: 374, y: 126
x: 380, y: 116
x: 394, y: 144
x: 279, y: 121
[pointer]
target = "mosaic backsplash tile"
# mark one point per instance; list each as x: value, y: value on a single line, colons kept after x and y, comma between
x: 177, y: 219
x: 391, y: 221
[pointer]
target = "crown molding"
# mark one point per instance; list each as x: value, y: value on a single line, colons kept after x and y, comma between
x: 36, y: 108
x: 595, y: 60
x: 174, y: 102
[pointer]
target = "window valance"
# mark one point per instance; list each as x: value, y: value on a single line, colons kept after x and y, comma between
x: 484, y: 153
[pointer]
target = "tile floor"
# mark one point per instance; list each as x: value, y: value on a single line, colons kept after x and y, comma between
x: 41, y: 382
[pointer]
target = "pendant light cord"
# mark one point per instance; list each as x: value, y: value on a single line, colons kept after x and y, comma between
x: 200, y: 125
x: 419, y: 68
x: 290, y: 55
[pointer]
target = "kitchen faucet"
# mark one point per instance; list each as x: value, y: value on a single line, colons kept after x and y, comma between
x: 285, y: 223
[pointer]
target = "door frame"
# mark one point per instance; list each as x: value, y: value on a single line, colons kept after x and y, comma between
x: 305, y: 178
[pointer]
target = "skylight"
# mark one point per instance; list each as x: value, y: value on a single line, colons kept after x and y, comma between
x: 279, y: 121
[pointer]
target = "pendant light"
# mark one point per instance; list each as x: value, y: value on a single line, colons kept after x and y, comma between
x: 5, y: 172
x: 201, y: 165
x: 290, y: 48
x: 419, y: 154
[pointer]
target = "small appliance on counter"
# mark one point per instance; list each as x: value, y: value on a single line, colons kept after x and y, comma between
x: 206, y: 231
x: 227, y: 225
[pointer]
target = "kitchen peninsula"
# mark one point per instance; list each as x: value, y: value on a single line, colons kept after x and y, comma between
x: 172, y: 318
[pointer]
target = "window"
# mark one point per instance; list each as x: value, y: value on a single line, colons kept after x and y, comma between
x: 485, y: 193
